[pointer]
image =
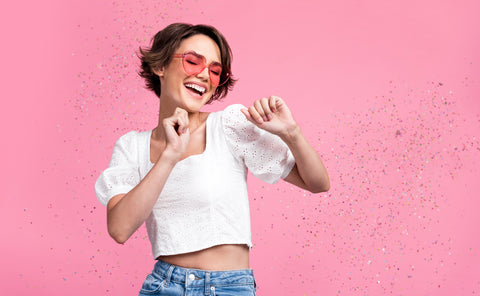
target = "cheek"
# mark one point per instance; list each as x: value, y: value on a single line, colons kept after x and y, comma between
x: 172, y: 79
x: 214, y: 89
x: 210, y: 95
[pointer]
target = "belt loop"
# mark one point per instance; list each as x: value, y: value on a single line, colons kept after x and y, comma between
x: 169, y: 275
x: 207, y: 283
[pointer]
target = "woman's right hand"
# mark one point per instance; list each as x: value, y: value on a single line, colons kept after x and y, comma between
x: 177, y: 134
x: 127, y: 212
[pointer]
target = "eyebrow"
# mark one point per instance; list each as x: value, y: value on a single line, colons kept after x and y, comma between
x: 202, y: 56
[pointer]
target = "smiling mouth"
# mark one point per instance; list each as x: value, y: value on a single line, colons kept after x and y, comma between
x: 196, y: 89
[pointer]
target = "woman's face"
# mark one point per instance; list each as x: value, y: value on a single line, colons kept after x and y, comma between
x: 182, y: 90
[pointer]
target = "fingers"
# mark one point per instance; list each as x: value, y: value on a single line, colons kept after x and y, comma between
x: 254, y: 113
x: 265, y: 103
x: 272, y: 103
x: 262, y: 110
x: 182, y: 120
x: 275, y: 102
x: 246, y: 112
x: 178, y: 122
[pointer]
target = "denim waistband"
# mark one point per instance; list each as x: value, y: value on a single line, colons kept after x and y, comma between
x: 196, y: 277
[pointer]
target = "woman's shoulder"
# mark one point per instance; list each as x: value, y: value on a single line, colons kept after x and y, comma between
x: 133, y: 138
x: 234, y: 108
x: 231, y: 112
x: 230, y: 108
x: 229, y: 119
x: 131, y: 135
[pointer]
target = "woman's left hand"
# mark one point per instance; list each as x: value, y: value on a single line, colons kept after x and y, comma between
x: 272, y: 115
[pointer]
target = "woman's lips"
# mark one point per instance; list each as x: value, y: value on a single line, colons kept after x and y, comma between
x: 194, y: 93
x: 195, y: 89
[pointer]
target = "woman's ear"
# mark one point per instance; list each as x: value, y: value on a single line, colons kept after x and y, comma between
x: 159, y: 71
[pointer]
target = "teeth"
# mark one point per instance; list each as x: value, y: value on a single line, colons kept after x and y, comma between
x: 196, y: 87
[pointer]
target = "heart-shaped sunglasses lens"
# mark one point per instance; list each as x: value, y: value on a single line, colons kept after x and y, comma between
x: 194, y: 63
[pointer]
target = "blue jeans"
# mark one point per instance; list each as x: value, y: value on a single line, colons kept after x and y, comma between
x: 171, y: 280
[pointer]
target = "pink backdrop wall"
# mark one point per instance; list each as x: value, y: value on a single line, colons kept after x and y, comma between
x: 387, y: 92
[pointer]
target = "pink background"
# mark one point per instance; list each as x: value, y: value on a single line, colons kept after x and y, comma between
x: 387, y: 92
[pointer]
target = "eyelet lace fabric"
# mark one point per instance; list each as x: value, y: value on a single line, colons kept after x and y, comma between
x: 122, y: 174
x: 205, y: 199
x: 265, y: 154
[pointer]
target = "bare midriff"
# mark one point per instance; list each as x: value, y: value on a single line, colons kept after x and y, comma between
x: 221, y: 257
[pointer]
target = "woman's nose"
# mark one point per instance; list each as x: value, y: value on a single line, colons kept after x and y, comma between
x: 203, y: 74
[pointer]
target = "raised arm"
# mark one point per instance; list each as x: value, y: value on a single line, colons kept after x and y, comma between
x: 274, y: 116
x: 127, y: 212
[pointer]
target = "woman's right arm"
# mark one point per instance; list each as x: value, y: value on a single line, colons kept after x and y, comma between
x: 127, y: 212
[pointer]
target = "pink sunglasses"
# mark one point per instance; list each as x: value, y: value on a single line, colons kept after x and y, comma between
x: 194, y: 63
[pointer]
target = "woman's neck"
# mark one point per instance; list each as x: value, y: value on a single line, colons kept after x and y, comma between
x: 196, y: 119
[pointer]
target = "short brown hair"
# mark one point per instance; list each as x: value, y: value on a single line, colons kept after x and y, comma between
x: 167, y: 41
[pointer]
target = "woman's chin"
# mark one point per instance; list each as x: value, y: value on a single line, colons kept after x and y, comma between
x: 185, y: 100
x: 196, y: 102
x: 193, y: 106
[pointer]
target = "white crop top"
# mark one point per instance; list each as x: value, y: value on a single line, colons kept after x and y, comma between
x: 204, y: 201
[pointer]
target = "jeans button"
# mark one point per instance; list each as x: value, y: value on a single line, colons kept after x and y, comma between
x: 191, y: 277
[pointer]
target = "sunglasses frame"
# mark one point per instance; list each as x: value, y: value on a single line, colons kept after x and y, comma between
x: 224, y: 70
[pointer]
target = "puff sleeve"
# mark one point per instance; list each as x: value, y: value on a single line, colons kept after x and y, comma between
x: 264, y: 154
x: 122, y: 174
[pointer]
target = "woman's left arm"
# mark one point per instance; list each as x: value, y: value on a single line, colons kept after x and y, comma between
x: 274, y: 116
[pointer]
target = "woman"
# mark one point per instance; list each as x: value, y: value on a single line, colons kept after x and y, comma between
x: 186, y: 178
